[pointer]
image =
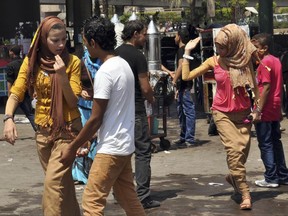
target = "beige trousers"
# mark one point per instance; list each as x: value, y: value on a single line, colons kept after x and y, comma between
x: 235, y: 136
x: 109, y: 171
x: 59, y: 198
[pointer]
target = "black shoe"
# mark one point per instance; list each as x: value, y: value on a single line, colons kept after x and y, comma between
x: 213, y: 134
x: 181, y: 145
x: 179, y: 142
x: 149, y: 203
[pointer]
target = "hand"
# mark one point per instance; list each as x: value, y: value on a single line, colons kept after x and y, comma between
x: 256, y: 116
x: 172, y: 74
x: 174, y: 83
x: 59, y: 65
x: 10, y: 132
x: 85, y: 95
x: 192, y: 44
x: 83, y: 150
x: 34, y: 94
x: 67, y: 155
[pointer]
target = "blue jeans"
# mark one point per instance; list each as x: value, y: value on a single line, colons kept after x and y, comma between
x: 27, y: 109
x: 272, y: 154
x: 186, y: 115
x: 142, y: 156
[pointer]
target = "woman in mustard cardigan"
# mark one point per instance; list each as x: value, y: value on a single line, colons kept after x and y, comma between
x: 54, y: 75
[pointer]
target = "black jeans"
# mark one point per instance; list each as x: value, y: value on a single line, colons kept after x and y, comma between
x: 142, y: 156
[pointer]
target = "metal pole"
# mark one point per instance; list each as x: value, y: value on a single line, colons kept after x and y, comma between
x: 266, y: 16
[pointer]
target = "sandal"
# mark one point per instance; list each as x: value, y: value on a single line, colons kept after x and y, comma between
x: 246, y: 203
x: 229, y: 178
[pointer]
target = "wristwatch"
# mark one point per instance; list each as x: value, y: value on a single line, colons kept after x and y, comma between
x: 6, y: 117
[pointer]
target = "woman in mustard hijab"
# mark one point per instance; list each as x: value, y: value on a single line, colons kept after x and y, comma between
x: 233, y: 73
x: 54, y: 75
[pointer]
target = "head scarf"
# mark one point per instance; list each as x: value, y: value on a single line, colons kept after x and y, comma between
x: 238, y: 57
x: 39, y: 55
x: 92, y: 67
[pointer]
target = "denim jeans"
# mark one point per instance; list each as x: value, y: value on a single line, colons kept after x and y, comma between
x: 142, y: 156
x: 186, y: 115
x: 27, y: 109
x: 272, y: 153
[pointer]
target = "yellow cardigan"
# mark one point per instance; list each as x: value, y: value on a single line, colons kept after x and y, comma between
x: 207, y: 65
x: 43, y: 90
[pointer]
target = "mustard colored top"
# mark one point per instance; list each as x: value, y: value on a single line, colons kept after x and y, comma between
x: 207, y: 65
x: 43, y: 90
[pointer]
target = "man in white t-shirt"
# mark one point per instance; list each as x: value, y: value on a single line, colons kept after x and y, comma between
x: 113, y: 116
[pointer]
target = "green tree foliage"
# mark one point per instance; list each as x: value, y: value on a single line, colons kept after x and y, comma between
x: 192, y: 8
x: 232, y: 10
x: 284, y: 10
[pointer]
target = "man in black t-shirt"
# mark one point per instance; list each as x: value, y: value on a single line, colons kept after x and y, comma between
x: 12, y: 72
x: 134, y: 36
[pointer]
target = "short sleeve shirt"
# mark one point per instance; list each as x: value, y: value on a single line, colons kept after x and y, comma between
x: 114, y: 81
x: 272, y: 108
x: 138, y: 64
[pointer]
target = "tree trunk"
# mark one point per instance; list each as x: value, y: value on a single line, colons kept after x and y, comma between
x: 97, y: 10
x: 192, y: 6
x: 119, y: 10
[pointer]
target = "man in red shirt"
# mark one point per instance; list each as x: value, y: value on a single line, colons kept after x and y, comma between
x: 269, y: 76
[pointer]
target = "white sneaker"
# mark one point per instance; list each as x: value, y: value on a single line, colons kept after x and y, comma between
x: 263, y: 183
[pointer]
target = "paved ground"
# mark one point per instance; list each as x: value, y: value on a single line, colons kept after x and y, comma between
x: 187, y: 182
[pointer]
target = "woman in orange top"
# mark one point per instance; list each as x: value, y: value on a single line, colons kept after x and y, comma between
x: 54, y: 75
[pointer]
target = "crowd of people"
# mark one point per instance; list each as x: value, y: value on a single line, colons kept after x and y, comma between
x: 90, y: 116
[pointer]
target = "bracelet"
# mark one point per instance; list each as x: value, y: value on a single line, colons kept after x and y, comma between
x: 6, y: 117
x: 188, y: 57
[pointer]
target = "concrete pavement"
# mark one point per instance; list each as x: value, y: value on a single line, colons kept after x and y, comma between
x: 186, y: 181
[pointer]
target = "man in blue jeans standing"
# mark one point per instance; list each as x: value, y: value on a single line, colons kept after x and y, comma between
x: 269, y: 79
x: 185, y: 104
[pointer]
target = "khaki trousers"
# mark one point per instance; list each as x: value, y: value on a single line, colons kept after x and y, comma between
x: 59, y: 198
x: 235, y: 136
x: 109, y: 171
